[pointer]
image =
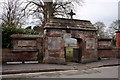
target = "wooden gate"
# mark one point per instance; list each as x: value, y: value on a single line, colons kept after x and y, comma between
x: 77, y: 54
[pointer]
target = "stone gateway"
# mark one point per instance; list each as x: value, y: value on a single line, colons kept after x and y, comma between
x: 57, y: 29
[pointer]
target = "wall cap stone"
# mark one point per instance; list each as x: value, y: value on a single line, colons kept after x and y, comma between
x: 104, y: 39
x: 25, y: 36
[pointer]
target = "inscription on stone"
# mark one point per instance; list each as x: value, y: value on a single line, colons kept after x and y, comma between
x: 67, y: 36
x: 104, y: 44
x: 54, y: 43
x: 26, y: 43
x: 90, y: 43
x: 54, y: 54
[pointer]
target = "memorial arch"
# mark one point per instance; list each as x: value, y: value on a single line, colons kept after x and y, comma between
x: 57, y: 29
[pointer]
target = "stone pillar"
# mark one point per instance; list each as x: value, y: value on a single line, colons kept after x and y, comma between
x: 118, y: 43
x: 118, y: 39
x: 54, y: 48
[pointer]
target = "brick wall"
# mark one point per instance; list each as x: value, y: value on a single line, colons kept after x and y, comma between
x: 118, y: 39
x: 24, y: 48
x: 8, y: 55
x: 106, y: 50
x: 110, y: 53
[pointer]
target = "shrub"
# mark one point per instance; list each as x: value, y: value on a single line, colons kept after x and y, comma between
x: 8, y: 30
x: 114, y: 41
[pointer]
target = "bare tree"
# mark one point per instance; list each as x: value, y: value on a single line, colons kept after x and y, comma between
x: 46, y: 9
x: 101, y: 29
x: 12, y: 12
x: 115, y: 25
x: 113, y: 28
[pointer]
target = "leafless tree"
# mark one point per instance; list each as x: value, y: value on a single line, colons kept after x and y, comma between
x: 46, y: 9
x: 115, y: 26
x: 12, y: 12
x: 101, y: 29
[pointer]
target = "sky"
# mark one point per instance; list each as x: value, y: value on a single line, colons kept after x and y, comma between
x: 95, y: 10
x: 98, y: 10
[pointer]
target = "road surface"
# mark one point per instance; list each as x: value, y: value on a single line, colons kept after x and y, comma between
x: 103, y: 72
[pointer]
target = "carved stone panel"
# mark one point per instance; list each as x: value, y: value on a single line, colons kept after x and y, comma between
x: 67, y: 36
x: 54, y: 54
x: 54, y: 43
x: 104, y: 44
x: 90, y: 43
x: 26, y: 43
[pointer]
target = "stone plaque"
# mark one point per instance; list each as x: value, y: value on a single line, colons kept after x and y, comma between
x: 54, y: 55
x: 26, y: 43
x: 90, y: 43
x: 54, y: 43
x: 67, y: 36
x: 104, y: 44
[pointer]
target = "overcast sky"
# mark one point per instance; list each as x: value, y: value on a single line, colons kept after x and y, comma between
x: 98, y: 10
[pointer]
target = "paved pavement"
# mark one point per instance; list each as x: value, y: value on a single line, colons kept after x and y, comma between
x: 102, y: 72
x: 27, y: 68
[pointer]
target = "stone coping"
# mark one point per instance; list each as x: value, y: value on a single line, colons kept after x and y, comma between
x: 20, y: 50
x: 69, y: 19
x: 116, y: 48
x: 104, y: 39
x: 70, y: 28
x: 25, y: 36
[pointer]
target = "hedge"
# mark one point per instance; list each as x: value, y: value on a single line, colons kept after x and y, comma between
x: 8, y: 30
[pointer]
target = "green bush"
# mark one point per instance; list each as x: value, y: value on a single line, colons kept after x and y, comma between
x: 69, y: 52
x: 8, y: 30
x: 114, y: 41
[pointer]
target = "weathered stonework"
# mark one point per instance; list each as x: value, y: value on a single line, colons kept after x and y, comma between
x: 24, y: 48
x: 79, y: 29
x: 54, y: 50
x: 8, y: 55
x: 118, y: 39
x: 105, y: 43
x: 106, y: 50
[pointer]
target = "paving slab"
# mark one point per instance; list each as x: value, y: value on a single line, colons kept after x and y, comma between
x: 29, y: 68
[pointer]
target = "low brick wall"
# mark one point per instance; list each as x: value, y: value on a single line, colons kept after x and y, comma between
x: 108, y: 53
x: 8, y: 55
x: 106, y: 50
x: 24, y: 48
